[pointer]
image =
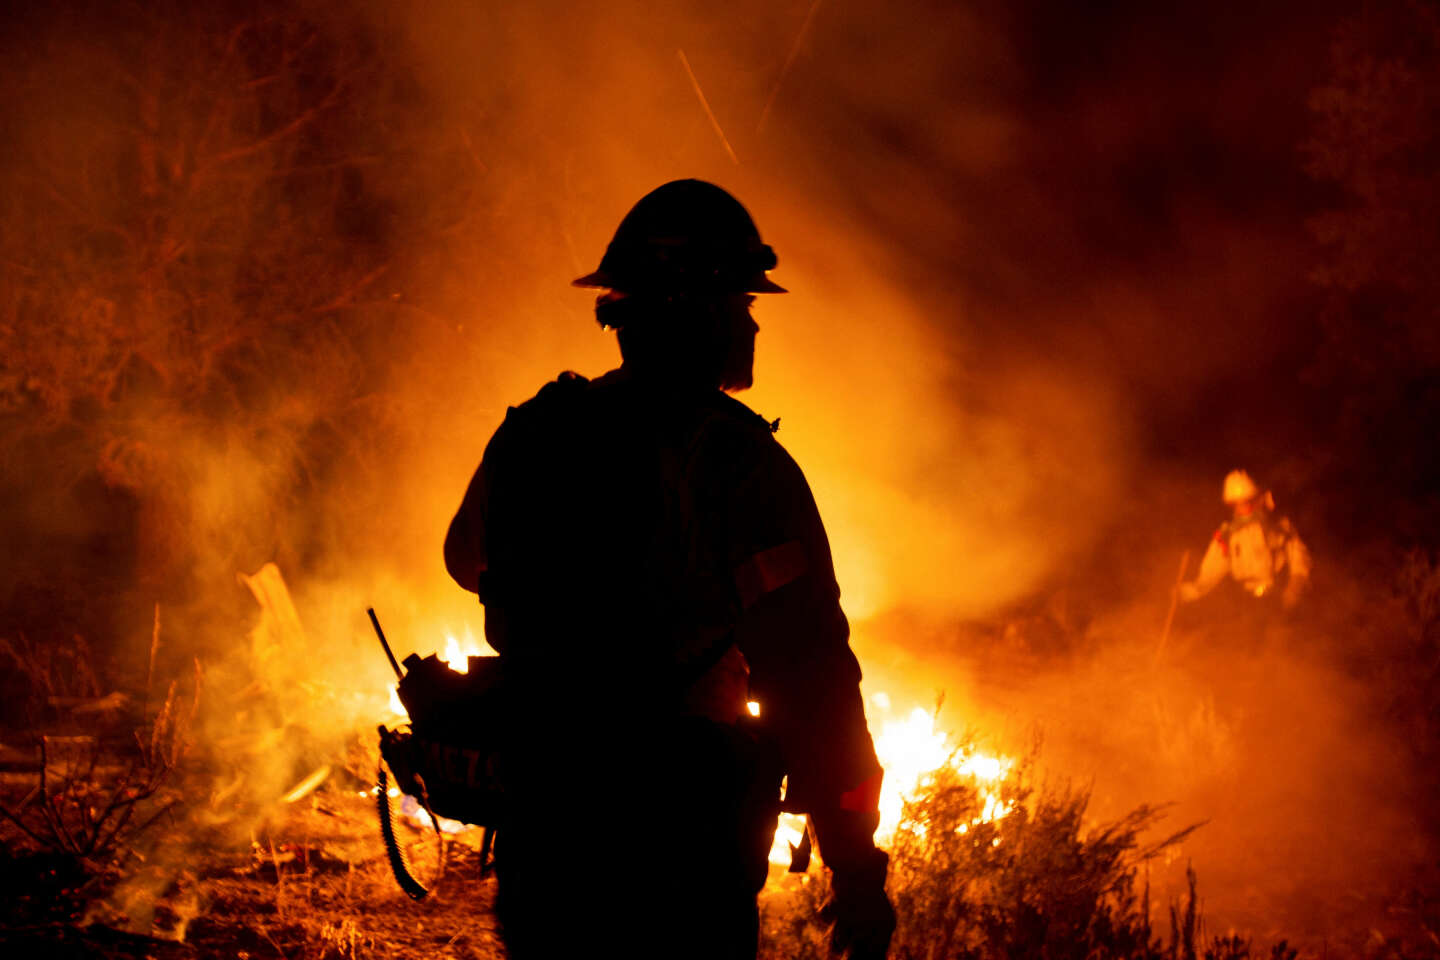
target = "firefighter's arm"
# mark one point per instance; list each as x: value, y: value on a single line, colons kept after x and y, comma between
x: 794, y: 634
x: 1213, y: 568
x: 796, y: 638
x: 465, y: 540
x: 807, y: 681
x: 861, y: 913
x: 465, y: 556
x: 810, y: 698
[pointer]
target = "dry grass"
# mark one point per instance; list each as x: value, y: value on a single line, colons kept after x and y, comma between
x: 94, y: 793
x: 315, y: 887
x: 1039, y: 882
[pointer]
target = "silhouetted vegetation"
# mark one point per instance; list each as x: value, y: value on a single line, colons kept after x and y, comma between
x: 1041, y: 881
x: 204, y: 266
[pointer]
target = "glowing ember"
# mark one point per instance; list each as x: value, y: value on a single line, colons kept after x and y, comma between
x: 753, y: 706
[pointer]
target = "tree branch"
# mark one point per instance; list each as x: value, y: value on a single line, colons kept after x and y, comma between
x: 269, y: 140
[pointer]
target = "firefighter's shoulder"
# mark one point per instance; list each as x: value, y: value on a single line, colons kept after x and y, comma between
x: 743, y: 439
x: 567, y: 385
x: 728, y: 408
x: 749, y: 437
x: 755, y: 453
x: 557, y: 393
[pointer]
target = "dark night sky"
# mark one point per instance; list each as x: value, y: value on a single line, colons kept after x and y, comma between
x: 1121, y: 183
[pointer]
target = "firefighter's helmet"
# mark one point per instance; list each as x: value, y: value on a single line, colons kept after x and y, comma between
x: 686, y: 237
x: 1239, y: 487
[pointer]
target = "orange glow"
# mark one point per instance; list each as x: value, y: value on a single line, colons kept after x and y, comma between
x: 456, y: 656
x: 911, y: 749
x: 790, y: 832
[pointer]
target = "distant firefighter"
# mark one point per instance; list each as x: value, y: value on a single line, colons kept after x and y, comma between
x: 1262, y: 552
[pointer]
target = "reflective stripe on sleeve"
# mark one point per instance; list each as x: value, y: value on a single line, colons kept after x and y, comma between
x: 864, y: 798
x: 769, y: 570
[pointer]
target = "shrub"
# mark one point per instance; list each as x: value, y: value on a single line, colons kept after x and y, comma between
x: 1036, y: 881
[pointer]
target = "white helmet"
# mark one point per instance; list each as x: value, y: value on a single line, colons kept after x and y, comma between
x: 1239, y: 487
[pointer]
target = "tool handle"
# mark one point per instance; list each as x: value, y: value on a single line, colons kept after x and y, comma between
x: 1174, y: 602
x: 375, y: 622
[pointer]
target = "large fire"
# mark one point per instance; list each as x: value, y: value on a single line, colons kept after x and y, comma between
x: 909, y: 747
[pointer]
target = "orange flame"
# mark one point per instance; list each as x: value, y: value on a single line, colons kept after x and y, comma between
x: 456, y: 656
x: 911, y: 750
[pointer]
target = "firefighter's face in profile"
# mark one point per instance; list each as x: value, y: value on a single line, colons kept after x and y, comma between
x: 739, y: 329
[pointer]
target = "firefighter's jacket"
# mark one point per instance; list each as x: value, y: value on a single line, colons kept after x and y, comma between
x: 625, y: 537
x: 1261, y: 553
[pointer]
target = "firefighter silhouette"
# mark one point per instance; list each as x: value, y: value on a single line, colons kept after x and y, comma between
x: 649, y: 556
x: 1261, y: 552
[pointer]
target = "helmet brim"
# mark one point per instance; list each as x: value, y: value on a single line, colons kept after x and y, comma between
x: 602, y: 280
x: 596, y: 279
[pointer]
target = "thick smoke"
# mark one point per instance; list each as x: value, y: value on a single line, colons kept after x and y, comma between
x: 1045, y: 273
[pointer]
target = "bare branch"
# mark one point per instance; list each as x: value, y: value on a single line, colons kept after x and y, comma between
x: 149, y: 821
x: 347, y: 297
x: 296, y: 124
x: 5, y: 812
x: 55, y: 816
x: 280, y: 173
x: 75, y: 210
